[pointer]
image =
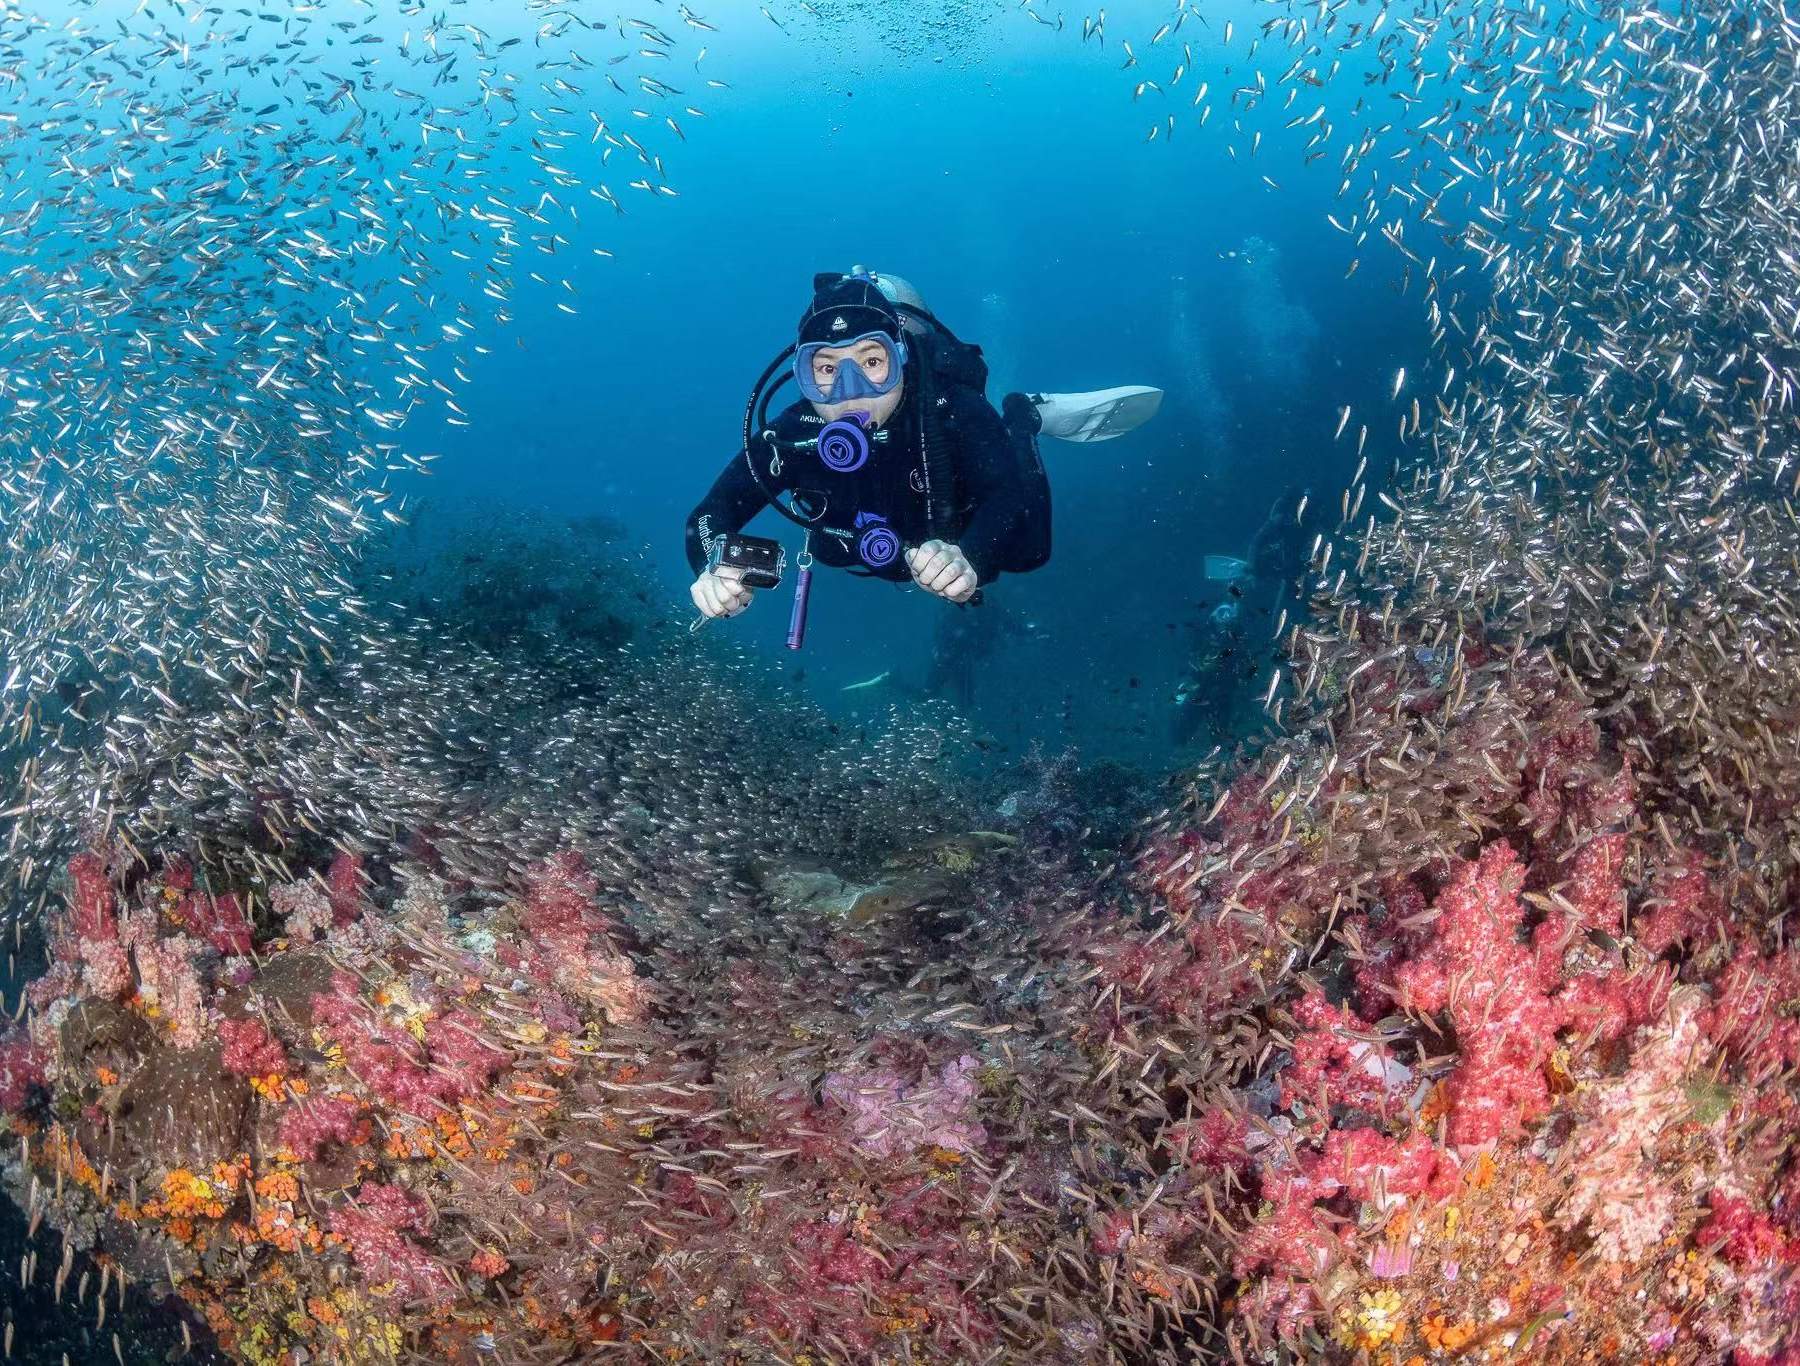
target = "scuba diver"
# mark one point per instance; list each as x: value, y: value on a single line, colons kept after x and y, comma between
x: 892, y: 460
x: 1279, y: 553
x: 1258, y: 590
x: 1207, y: 696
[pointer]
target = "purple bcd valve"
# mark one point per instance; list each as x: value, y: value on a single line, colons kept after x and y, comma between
x: 878, y: 547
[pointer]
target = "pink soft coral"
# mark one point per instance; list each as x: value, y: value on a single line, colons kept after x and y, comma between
x: 305, y: 911
x: 105, y: 969
x: 1616, y: 1185
x: 1476, y: 969
x: 888, y: 1116
x: 308, y: 1125
x: 250, y: 1050
x: 374, y: 1228
x: 168, y: 979
x: 453, y: 1063
x: 569, y: 941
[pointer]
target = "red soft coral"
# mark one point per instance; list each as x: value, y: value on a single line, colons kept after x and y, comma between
x: 21, y: 1070
x: 387, y: 1060
x: 1744, y: 1235
x: 1370, y: 1164
x: 559, y: 895
x: 460, y: 1055
x: 415, y: 1078
x: 1476, y: 968
x: 1682, y: 905
x: 344, y: 885
x: 827, y: 1278
x: 1290, y: 1237
x: 373, y: 1228
x: 1608, y: 1006
x: 93, y: 905
x: 219, y: 921
x: 1595, y: 886
x: 1564, y: 740
x: 1383, y: 938
x: 1215, y: 1138
x: 1332, y: 1068
x: 250, y: 1050
x: 1753, y: 1017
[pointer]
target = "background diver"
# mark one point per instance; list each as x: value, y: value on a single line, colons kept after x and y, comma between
x: 1206, y: 698
x: 893, y: 460
x: 1261, y: 591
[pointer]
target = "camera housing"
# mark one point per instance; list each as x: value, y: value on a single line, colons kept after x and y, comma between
x: 761, y: 559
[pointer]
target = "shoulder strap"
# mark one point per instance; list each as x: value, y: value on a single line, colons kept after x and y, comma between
x: 934, y: 457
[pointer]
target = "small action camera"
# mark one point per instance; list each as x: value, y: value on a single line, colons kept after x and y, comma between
x: 761, y: 559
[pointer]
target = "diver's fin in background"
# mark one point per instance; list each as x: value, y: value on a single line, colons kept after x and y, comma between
x: 867, y: 683
x: 1099, y: 415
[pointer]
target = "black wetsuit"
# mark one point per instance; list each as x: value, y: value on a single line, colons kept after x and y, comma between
x: 867, y: 517
x: 1279, y: 555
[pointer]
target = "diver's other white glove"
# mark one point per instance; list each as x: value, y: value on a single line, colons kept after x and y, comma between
x: 721, y: 592
x: 941, y: 568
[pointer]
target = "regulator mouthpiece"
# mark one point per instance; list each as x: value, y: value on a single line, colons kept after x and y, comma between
x: 844, y: 443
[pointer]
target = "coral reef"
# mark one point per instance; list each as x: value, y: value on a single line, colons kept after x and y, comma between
x: 1413, y: 1038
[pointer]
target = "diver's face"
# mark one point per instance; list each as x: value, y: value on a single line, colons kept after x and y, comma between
x: 868, y: 355
x: 876, y: 363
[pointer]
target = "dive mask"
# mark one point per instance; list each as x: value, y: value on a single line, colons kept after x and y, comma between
x: 850, y: 382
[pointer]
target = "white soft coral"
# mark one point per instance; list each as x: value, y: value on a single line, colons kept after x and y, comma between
x: 1615, y: 1185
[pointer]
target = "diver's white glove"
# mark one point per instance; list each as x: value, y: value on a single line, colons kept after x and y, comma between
x: 941, y: 568
x: 721, y: 592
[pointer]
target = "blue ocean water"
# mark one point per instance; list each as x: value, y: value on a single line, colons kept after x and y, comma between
x: 1005, y: 168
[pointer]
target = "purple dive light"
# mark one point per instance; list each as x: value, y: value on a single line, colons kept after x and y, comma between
x: 844, y: 443
x: 796, y: 636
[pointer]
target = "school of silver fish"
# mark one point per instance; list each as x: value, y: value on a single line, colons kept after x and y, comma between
x: 245, y: 247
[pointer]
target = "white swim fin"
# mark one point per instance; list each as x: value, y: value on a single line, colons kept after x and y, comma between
x: 1099, y: 415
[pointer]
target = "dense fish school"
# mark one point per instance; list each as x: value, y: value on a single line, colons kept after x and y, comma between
x: 387, y: 991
